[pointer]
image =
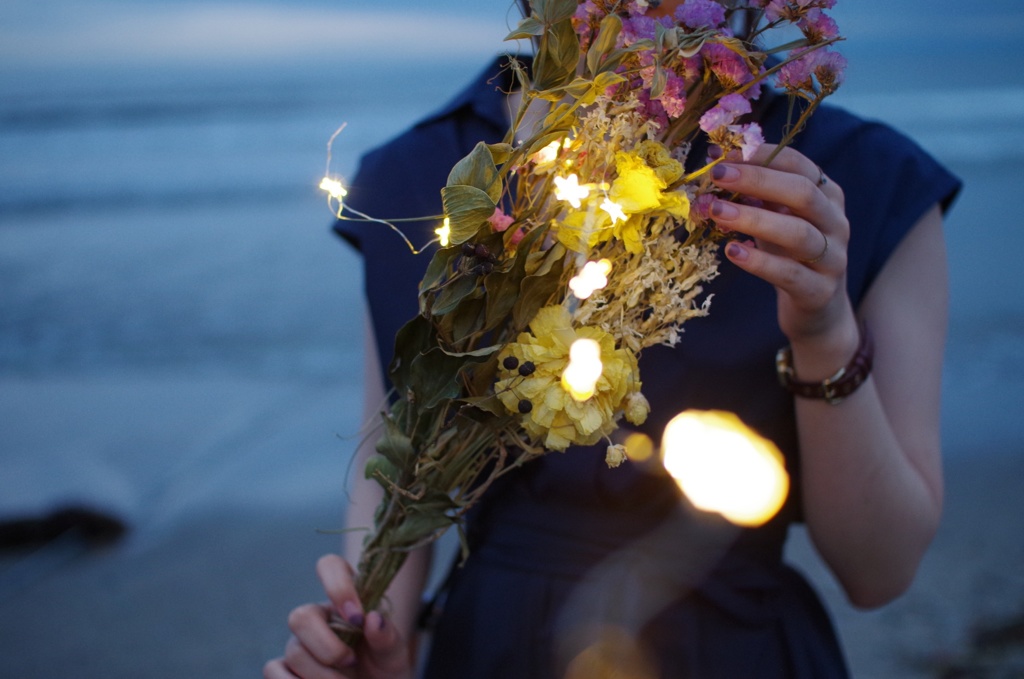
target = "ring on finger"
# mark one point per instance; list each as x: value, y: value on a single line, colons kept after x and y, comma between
x: 821, y: 254
x: 822, y: 179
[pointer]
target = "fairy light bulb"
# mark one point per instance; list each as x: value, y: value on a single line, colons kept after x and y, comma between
x: 570, y: 190
x: 593, y: 276
x: 584, y: 370
x: 548, y: 154
x: 333, y: 187
x: 444, y: 232
x: 724, y: 466
x: 614, y: 210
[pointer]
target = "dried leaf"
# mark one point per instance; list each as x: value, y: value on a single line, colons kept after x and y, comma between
x: 467, y: 209
x: 478, y: 169
x: 604, y: 43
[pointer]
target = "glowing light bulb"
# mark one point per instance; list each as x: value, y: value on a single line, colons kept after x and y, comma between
x: 570, y: 190
x: 548, y: 154
x: 614, y: 210
x: 333, y: 188
x: 444, y: 232
x: 584, y: 370
x: 724, y: 466
x: 593, y: 276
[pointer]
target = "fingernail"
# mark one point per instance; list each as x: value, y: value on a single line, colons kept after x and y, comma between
x: 715, y: 152
x: 725, y: 173
x: 736, y: 251
x: 352, y: 613
x: 720, y: 208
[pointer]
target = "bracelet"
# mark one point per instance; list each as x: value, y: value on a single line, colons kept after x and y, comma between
x: 838, y: 386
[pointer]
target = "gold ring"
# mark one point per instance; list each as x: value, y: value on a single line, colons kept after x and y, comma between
x: 822, y: 179
x: 821, y: 255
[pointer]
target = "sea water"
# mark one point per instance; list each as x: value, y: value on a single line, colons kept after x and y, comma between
x: 159, y: 162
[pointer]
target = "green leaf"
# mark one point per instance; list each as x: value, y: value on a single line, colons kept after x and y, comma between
x: 500, y: 153
x: 439, y: 268
x: 658, y: 82
x: 557, y: 57
x: 503, y: 288
x: 529, y: 27
x: 553, y: 11
x: 604, y: 43
x: 478, y: 169
x: 467, y: 208
x: 489, y: 404
x: 690, y: 45
x: 418, y: 526
x: 465, y: 320
x: 432, y: 378
x: 535, y: 292
x: 395, y: 446
x: 414, y: 338
x: 476, y: 353
x: 453, y: 293
x: 381, y: 470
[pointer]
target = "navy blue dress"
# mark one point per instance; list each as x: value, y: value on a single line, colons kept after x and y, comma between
x: 566, y: 549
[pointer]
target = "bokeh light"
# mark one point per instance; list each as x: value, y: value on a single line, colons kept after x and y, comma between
x: 724, y: 466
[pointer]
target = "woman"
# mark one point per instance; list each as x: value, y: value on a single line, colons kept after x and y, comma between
x: 572, y: 564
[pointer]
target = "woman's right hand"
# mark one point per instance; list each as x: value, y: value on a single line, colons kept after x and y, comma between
x: 315, y: 652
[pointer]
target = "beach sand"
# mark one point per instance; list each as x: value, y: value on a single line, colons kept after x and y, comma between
x: 224, y: 507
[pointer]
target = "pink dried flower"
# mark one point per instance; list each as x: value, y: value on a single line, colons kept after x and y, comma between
x: 750, y: 138
x: 637, y: 28
x: 829, y: 68
x: 500, y: 221
x: 700, y: 14
x: 652, y: 109
x: 585, y: 20
x: 792, y: 10
x: 725, y: 112
x: 818, y: 26
x: 729, y: 67
x: 700, y: 208
x: 796, y: 75
x: 673, y: 97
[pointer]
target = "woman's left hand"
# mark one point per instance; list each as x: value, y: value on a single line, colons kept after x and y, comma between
x: 798, y: 237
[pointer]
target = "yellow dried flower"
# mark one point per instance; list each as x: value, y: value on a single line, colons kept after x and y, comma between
x: 660, y: 159
x: 531, y: 384
x: 615, y: 455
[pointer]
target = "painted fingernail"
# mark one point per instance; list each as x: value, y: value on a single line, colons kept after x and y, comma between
x: 715, y: 152
x: 720, y: 208
x: 736, y: 251
x: 352, y: 613
x: 724, y: 173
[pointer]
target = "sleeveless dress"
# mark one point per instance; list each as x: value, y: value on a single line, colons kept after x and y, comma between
x: 566, y: 551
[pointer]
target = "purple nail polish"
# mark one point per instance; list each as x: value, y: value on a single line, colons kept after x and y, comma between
x: 715, y: 152
x: 352, y: 613
x: 726, y: 173
x: 724, y: 210
x: 736, y: 251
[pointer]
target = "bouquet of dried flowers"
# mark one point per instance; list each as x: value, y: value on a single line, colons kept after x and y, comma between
x: 573, y: 244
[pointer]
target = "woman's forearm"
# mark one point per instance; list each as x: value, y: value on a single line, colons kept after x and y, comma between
x: 871, y: 468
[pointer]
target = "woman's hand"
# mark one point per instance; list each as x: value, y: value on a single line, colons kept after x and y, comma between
x: 315, y: 652
x: 798, y: 238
